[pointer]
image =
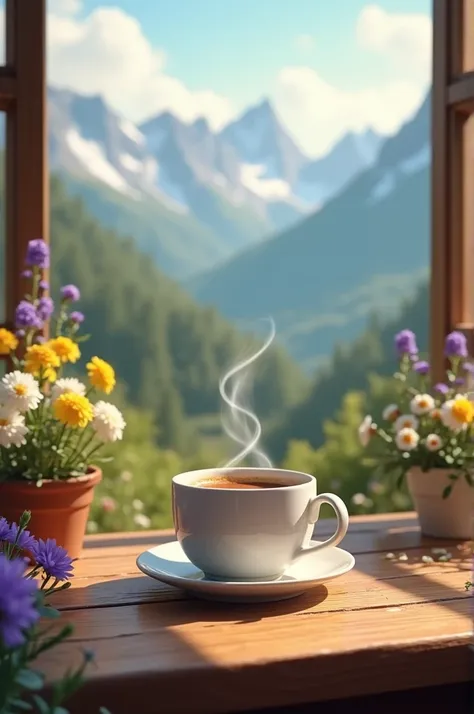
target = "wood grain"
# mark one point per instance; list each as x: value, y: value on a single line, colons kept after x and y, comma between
x: 386, y: 625
x: 265, y: 656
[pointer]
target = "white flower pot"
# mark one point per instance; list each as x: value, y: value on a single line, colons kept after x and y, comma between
x: 451, y: 517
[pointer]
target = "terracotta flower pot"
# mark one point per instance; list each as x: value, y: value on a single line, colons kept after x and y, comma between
x: 451, y: 517
x: 59, y: 509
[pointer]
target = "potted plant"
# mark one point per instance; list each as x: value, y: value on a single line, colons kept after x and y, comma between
x: 428, y: 436
x: 50, y: 429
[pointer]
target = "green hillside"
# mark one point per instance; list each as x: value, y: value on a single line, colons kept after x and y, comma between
x: 168, y: 351
x: 179, y: 243
x: 349, y: 370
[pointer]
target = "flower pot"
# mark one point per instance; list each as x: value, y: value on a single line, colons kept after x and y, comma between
x: 451, y: 517
x: 59, y: 509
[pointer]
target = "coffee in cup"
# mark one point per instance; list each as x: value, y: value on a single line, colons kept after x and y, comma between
x: 249, y: 523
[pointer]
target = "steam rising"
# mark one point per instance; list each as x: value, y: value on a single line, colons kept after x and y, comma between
x: 239, y: 422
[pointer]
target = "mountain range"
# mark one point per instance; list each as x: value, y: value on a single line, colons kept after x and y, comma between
x: 365, y: 250
x: 192, y: 197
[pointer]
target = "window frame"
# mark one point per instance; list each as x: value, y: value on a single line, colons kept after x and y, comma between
x: 23, y: 89
x: 451, y: 249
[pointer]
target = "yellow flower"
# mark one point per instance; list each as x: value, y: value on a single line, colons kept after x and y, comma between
x: 463, y: 410
x: 41, y: 360
x: 8, y: 341
x: 74, y: 410
x: 65, y: 348
x: 101, y: 374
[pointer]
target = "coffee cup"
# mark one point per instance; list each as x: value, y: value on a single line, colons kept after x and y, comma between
x: 249, y: 523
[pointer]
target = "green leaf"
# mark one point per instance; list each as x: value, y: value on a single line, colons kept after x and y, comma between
x: 453, y: 477
x: 103, y: 710
x: 22, y: 706
x: 447, y: 491
x: 42, y: 706
x: 82, y: 338
x: 104, y: 459
x: 60, y: 710
x: 49, y: 612
x: 469, y: 478
x: 29, y: 680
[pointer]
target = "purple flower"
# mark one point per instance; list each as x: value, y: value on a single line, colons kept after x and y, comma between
x: 38, y: 253
x: 18, y: 610
x: 77, y: 317
x: 459, y: 381
x: 45, y: 308
x: 27, y: 274
x: 421, y: 367
x: 71, y: 293
x: 40, y: 340
x: 4, y: 528
x: 455, y: 345
x: 468, y: 367
x: 25, y: 540
x: 26, y: 315
x: 20, y: 333
x: 44, y: 285
x: 441, y: 388
x: 53, y: 559
x: 405, y: 342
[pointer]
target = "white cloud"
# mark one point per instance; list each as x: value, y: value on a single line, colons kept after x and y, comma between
x: 108, y: 53
x: 305, y: 43
x: 404, y: 39
x: 64, y: 7
x: 318, y: 113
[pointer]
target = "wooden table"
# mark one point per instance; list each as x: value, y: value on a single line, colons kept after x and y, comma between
x: 389, y: 626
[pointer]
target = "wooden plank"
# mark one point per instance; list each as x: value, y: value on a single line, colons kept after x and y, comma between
x: 460, y: 93
x: 27, y: 176
x: 372, y: 583
x: 441, y: 288
x: 239, y: 658
x: 8, y: 87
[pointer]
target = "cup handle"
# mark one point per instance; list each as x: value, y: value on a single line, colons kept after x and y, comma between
x: 342, y: 520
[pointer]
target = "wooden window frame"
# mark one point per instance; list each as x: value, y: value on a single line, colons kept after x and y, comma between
x: 23, y: 90
x: 451, y: 249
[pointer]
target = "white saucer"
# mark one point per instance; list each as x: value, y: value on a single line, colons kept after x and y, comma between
x: 169, y: 564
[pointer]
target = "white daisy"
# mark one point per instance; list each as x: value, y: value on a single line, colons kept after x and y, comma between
x: 390, y: 412
x: 433, y: 442
x: 12, y: 428
x: 141, y: 520
x: 407, y: 439
x: 406, y: 421
x: 366, y: 430
x: 422, y: 404
x: 108, y: 422
x: 457, y: 413
x: 67, y: 385
x: 20, y: 391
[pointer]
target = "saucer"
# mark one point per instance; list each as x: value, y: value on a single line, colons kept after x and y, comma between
x: 169, y: 564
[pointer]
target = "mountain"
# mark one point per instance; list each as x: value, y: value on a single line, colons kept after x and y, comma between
x: 366, y: 248
x: 190, y: 196
x: 323, y: 178
x: 169, y: 352
x: 161, y: 194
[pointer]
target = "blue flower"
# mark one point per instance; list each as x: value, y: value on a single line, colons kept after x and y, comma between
x: 37, y: 253
x: 53, y: 559
x: 25, y: 540
x: 18, y: 611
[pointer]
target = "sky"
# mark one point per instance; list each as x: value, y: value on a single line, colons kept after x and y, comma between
x: 328, y: 66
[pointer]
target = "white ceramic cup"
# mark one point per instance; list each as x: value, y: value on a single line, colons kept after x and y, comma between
x: 249, y: 534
